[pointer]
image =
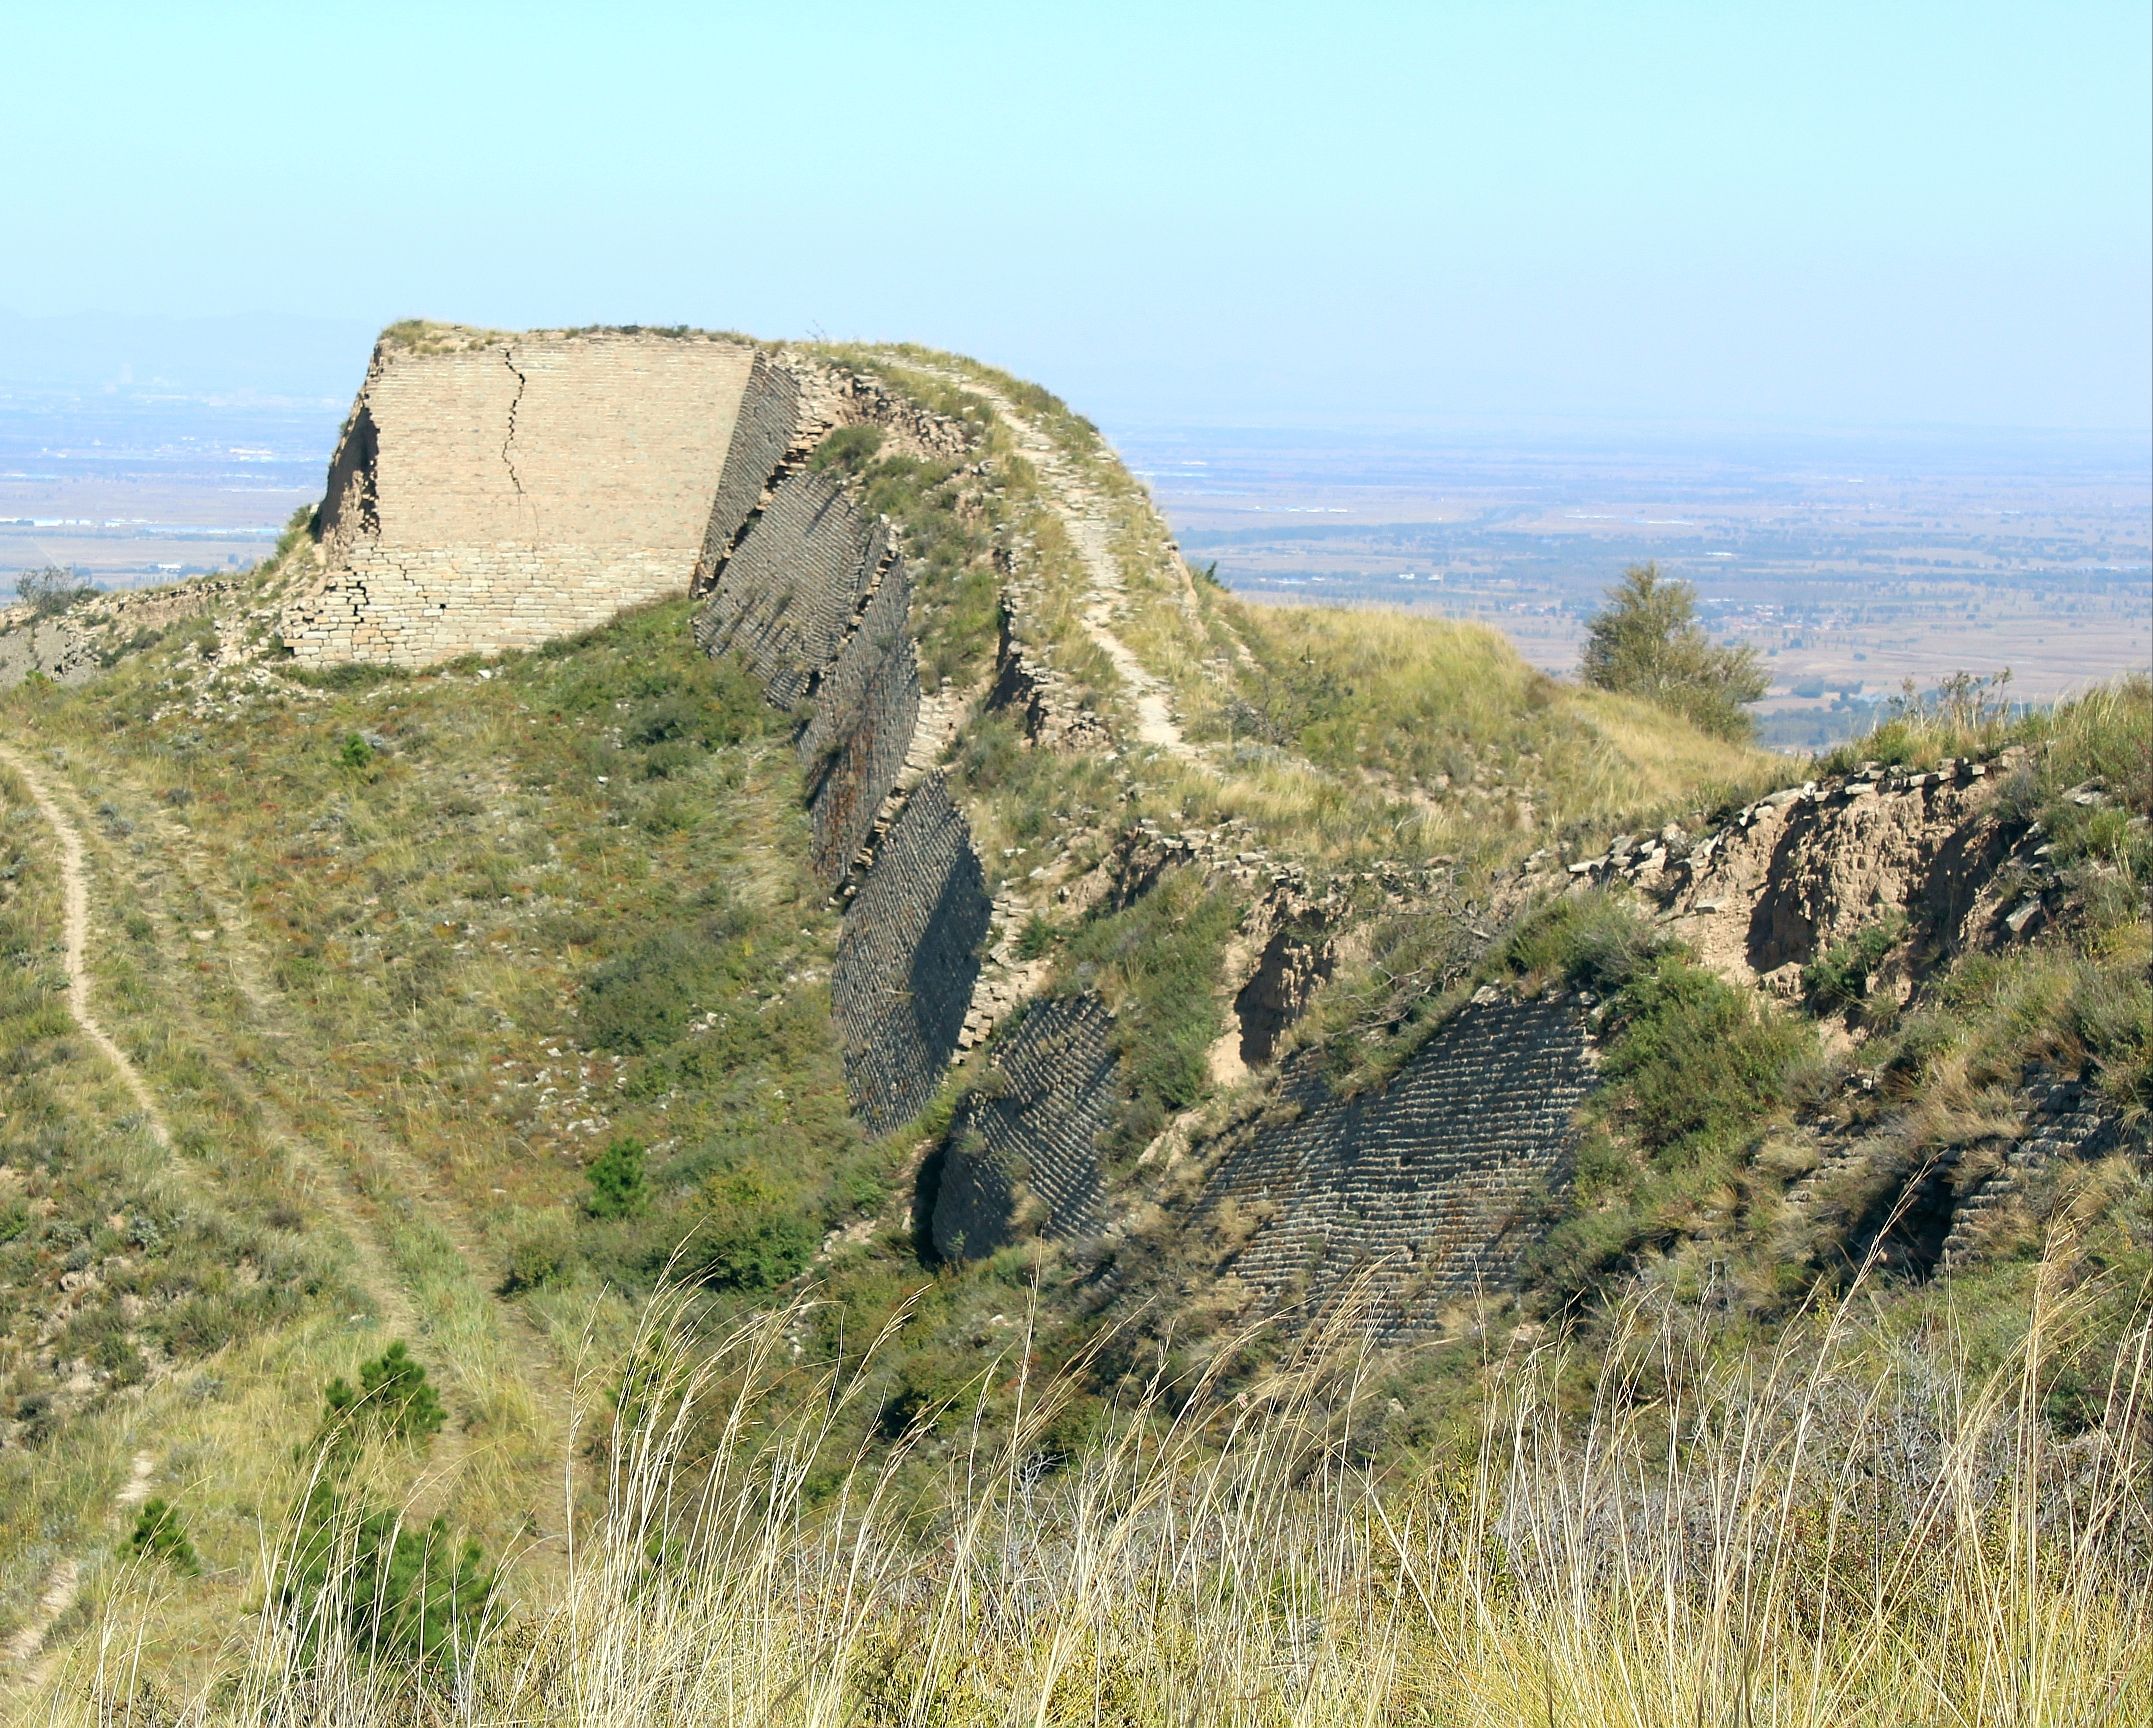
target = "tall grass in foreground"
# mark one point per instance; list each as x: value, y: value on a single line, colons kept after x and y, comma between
x: 1849, y: 1533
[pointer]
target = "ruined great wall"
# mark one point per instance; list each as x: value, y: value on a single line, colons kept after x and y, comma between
x: 494, y: 492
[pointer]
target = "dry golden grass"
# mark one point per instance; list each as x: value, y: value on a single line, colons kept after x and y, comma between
x: 1850, y: 1532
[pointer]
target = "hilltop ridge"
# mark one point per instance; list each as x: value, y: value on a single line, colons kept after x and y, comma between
x: 787, y: 817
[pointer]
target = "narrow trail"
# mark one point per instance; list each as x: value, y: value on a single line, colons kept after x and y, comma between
x: 75, y: 891
x: 392, y: 1306
x: 535, y: 1356
x: 64, y: 1584
x: 1090, y: 523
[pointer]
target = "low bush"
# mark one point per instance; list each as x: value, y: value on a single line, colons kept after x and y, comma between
x: 393, y: 1399
x: 616, y: 1180
x: 1839, y: 978
x: 1158, y: 964
x: 158, y: 1535
x: 420, y: 1596
x: 754, y: 1233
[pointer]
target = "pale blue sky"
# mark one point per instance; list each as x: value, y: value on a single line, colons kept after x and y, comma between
x: 1743, y: 214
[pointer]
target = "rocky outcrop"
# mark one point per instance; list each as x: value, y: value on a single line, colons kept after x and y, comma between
x: 1402, y: 1199
x: 1022, y: 1154
x: 1792, y: 875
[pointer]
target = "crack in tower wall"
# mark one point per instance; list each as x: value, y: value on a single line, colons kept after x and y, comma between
x: 458, y: 456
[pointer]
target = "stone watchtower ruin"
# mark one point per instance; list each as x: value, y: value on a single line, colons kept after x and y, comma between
x: 493, y: 492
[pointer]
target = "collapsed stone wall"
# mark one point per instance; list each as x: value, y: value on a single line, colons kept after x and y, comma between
x: 1810, y: 866
x: 1023, y: 1149
x: 1048, y: 709
x: 2065, y: 1119
x: 907, y: 958
x: 1406, y: 1197
x: 77, y: 644
x: 497, y: 492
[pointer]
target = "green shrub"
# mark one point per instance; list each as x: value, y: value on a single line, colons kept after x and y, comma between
x: 159, y: 1535
x: 355, y: 752
x: 52, y: 590
x: 753, y: 1236
x: 1646, y: 641
x: 616, y: 1179
x: 1036, y: 940
x: 849, y: 449
x: 416, y: 1595
x: 392, y: 1398
x: 1839, y: 978
x: 1695, y: 1061
x: 540, y: 1251
x: 1593, y: 941
x: 642, y: 999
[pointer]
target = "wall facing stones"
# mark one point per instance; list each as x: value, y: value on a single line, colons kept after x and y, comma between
x: 500, y: 492
x: 907, y: 957
x: 787, y: 598
x: 1409, y: 1197
x: 1023, y: 1148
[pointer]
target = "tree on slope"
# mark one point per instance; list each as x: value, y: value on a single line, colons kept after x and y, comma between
x: 1646, y: 641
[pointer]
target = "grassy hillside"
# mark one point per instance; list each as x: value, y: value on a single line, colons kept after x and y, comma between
x: 486, y: 1010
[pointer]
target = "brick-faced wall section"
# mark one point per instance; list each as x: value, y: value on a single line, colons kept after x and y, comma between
x: 765, y: 431
x: 1023, y: 1149
x: 513, y: 490
x: 787, y: 597
x: 907, y: 957
x: 866, y: 709
x: 1425, y: 1188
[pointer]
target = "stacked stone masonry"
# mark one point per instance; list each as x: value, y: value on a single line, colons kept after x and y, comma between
x: 1023, y: 1150
x: 812, y: 596
x: 1400, y: 1200
x: 866, y: 715
x: 2065, y: 1119
x: 786, y: 600
x: 513, y: 490
x: 766, y: 440
x: 907, y: 958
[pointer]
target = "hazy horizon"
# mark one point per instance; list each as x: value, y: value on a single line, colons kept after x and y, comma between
x: 1930, y: 217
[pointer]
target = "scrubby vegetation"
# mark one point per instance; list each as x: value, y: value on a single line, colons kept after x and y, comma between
x: 487, y: 1000
x: 1855, y: 1530
x: 52, y: 590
